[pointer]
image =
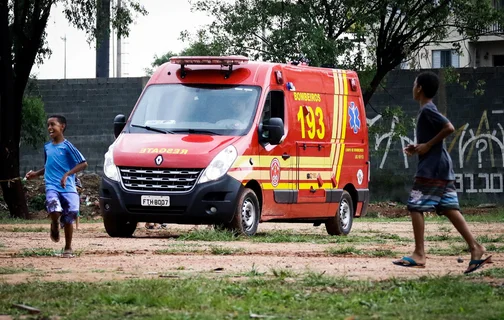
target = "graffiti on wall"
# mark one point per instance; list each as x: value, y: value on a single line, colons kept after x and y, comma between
x: 482, y: 148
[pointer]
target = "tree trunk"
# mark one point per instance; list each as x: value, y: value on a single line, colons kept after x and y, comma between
x: 13, y: 192
x: 11, y: 101
x: 377, y: 79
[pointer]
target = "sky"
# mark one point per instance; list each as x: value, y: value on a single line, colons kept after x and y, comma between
x: 156, y: 33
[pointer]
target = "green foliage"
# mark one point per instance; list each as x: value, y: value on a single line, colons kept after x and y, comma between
x: 374, y: 35
x: 37, y: 202
x: 451, y: 75
x: 201, y: 44
x: 33, y: 125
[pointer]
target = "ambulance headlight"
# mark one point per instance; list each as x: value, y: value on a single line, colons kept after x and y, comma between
x: 219, y: 165
x: 109, y: 167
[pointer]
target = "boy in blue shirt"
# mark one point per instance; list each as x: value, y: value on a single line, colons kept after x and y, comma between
x: 434, y: 187
x: 62, y: 162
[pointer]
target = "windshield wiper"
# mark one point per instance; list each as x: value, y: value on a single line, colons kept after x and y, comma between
x: 197, y: 131
x: 152, y: 129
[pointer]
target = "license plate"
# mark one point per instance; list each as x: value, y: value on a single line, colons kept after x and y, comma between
x: 155, y: 201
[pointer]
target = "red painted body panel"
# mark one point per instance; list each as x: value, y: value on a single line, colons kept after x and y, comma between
x: 328, y: 147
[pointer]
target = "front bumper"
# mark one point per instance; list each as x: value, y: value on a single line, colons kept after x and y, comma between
x: 191, y: 207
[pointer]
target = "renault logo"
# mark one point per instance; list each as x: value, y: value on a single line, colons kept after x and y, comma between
x: 158, y: 160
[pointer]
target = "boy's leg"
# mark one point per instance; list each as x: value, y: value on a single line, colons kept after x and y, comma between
x: 417, y: 219
x: 70, y: 203
x: 53, y: 206
x: 458, y: 221
x: 449, y: 206
x: 422, y: 199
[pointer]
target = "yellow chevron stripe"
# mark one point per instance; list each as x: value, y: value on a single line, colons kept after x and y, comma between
x: 302, y: 186
x: 336, y: 107
x: 284, y: 175
x: 265, y: 161
x: 343, y: 133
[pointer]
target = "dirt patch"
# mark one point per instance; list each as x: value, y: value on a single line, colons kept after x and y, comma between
x: 161, y: 253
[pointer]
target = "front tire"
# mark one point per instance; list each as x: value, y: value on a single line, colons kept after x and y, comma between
x: 247, y: 214
x: 341, y: 224
x: 118, y: 227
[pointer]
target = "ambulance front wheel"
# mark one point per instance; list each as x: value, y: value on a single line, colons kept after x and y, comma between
x: 118, y: 227
x: 246, y: 217
x: 341, y: 224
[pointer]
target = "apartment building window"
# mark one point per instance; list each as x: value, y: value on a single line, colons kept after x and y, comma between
x: 445, y: 58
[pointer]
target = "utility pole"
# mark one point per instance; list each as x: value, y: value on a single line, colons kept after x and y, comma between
x: 102, y: 38
x: 65, y: 57
x: 118, y: 72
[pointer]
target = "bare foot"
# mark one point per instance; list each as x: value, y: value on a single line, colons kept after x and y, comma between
x: 477, y: 252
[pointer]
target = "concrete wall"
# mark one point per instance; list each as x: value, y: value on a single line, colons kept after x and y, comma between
x: 477, y: 148
x: 90, y: 106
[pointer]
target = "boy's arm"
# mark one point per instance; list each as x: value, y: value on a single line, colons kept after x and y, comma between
x: 445, y: 132
x: 81, y: 166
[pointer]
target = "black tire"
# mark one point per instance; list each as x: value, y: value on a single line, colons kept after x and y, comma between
x: 118, y: 227
x: 247, y: 214
x: 341, y: 224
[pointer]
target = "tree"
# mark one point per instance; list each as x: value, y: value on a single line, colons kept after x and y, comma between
x: 202, y: 44
x: 22, y: 43
x: 405, y: 27
x: 334, y: 32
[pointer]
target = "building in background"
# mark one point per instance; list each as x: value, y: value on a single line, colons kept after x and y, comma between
x: 486, y: 51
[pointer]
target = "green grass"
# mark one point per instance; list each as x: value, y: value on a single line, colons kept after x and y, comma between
x: 208, y: 235
x: 286, y: 236
x: 43, y: 252
x: 453, y: 250
x: 29, y: 229
x: 492, y: 216
x: 442, y: 237
x: 14, y: 270
x: 218, y: 250
x: 343, y: 251
x: 312, y: 296
x: 490, y: 239
x: 497, y: 273
x: 37, y: 252
x: 179, y: 251
x: 494, y: 248
x: 352, y: 250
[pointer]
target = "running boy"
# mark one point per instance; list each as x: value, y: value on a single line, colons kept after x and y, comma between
x: 62, y: 162
x: 434, y: 187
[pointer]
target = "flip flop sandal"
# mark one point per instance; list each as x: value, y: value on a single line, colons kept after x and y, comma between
x: 67, y: 254
x: 55, y: 234
x: 408, y: 262
x: 477, y: 264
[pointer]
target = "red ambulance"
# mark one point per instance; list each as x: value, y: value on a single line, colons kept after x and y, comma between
x: 228, y: 142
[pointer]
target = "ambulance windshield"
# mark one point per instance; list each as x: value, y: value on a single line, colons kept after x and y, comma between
x: 206, y: 109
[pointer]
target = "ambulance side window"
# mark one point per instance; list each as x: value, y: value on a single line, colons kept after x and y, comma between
x: 274, y: 106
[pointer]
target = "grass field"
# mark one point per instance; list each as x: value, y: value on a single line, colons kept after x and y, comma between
x: 282, y: 296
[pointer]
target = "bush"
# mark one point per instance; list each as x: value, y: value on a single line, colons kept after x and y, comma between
x: 33, y: 123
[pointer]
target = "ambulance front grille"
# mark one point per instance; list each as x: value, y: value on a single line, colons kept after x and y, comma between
x: 159, y: 180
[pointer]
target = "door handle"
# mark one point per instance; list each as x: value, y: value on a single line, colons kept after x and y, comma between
x: 285, y: 156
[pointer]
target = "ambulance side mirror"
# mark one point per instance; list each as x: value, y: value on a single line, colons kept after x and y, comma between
x: 119, y: 123
x: 272, y: 131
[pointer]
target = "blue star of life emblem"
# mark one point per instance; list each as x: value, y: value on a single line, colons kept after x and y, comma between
x: 355, y: 122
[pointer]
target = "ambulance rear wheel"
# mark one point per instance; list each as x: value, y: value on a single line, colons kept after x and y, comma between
x: 246, y: 217
x: 118, y: 227
x: 341, y: 224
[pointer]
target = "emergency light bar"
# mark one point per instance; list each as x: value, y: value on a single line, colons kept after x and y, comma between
x: 227, y: 61
x: 223, y: 61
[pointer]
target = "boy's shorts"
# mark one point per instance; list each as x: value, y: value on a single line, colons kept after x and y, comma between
x: 429, y: 195
x: 67, y: 203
